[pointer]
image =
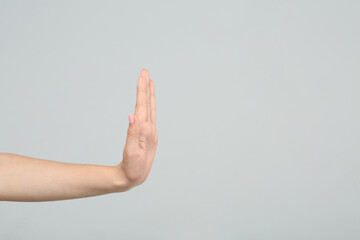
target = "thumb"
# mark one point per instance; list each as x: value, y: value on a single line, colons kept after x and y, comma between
x: 133, y: 133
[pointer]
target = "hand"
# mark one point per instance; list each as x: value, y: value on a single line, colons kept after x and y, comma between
x: 142, y: 136
x: 32, y: 179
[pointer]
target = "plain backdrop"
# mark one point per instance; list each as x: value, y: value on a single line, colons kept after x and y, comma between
x: 258, y: 113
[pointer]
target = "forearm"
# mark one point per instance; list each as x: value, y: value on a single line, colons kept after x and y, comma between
x: 31, y: 179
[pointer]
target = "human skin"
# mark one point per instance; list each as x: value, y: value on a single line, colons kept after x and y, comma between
x: 28, y: 179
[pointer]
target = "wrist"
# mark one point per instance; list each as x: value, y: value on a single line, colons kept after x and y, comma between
x: 121, y: 182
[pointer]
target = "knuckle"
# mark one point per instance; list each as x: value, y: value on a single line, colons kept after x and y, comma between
x: 141, y: 104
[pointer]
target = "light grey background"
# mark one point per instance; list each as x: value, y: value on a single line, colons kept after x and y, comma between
x: 258, y: 113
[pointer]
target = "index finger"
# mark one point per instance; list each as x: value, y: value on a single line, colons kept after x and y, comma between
x: 141, y: 99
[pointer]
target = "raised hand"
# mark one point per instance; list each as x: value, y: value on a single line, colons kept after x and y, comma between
x: 33, y: 179
x: 142, y: 136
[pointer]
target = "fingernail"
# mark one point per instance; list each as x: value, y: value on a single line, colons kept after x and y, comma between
x: 131, y: 119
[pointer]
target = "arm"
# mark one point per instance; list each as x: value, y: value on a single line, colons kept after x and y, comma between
x: 31, y: 179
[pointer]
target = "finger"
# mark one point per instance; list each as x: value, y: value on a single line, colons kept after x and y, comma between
x: 152, y: 102
x: 145, y: 74
x: 141, y: 108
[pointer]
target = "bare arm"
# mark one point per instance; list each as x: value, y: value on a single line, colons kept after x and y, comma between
x: 32, y: 179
